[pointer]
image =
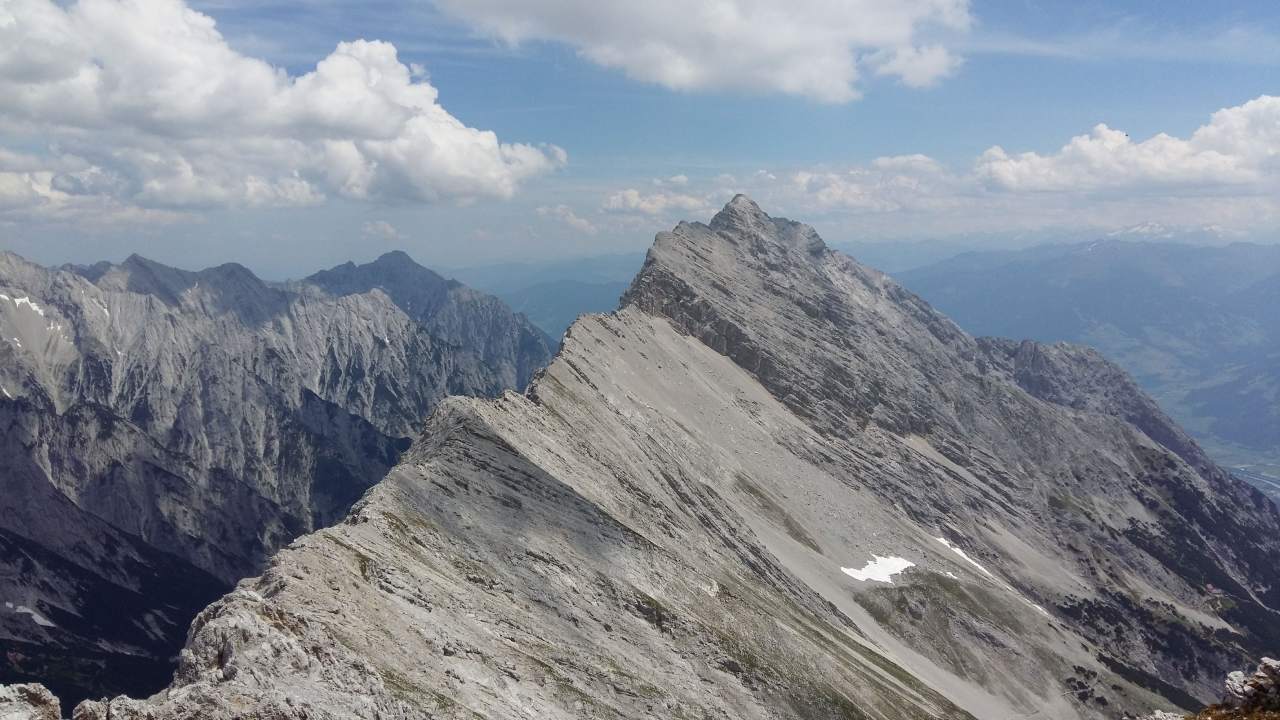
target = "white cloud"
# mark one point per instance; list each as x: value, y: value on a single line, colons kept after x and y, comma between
x: 381, y: 230
x: 1239, y: 146
x: 1225, y: 174
x: 660, y: 202
x: 886, y: 184
x: 811, y: 48
x: 147, y: 104
x: 566, y: 215
x: 919, y: 66
x: 680, y: 180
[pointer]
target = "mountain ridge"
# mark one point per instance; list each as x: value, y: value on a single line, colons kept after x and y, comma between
x: 772, y: 484
x: 1190, y: 323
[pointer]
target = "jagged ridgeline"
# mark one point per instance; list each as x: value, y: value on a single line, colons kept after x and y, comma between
x: 774, y: 484
x: 163, y: 432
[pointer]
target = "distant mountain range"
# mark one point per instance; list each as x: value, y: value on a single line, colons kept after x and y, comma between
x: 554, y: 294
x: 163, y: 432
x: 1196, y: 325
x: 899, y: 255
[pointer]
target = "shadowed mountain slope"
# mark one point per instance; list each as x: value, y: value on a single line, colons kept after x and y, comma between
x: 163, y: 432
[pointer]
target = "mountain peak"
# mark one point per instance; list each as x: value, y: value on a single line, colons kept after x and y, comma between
x: 231, y: 273
x: 741, y: 208
x: 396, y: 257
x: 147, y: 277
x: 742, y: 245
x: 741, y: 218
x: 395, y: 273
x: 746, y: 224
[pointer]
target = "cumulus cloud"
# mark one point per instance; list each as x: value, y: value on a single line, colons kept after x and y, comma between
x: 811, y: 48
x: 1226, y: 173
x: 1238, y: 147
x: 566, y: 215
x: 41, y: 196
x: 144, y: 102
x: 660, y: 202
x: 884, y: 185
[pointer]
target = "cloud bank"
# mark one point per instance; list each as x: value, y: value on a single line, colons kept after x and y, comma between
x: 142, y: 107
x: 1238, y: 147
x: 1225, y: 174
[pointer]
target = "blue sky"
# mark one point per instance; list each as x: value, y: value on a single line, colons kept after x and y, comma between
x: 907, y: 159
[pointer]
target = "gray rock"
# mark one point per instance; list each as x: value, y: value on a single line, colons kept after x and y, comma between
x: 1255, y: 693
x: 1162, y: 715
x: 1237, y: 689
x: 163, y: 432
x: 1194, y: 323
x: 773, y: 485
x: 30, y: 701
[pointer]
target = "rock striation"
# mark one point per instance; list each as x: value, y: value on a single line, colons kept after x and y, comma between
x: 1193, y: 323
x: 163, y: 432
x: 774, y: 484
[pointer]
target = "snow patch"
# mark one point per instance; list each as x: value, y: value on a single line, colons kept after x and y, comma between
x: 956, y: 549
x: 880, y: 569
x: 5, y: 390
x: 36, y: 617
x: 16, y: 341
x: 19, y: 302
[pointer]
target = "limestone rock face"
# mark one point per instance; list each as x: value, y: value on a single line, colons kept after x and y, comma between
x: 30, y: 701
x: 1259, y: 692
x: 163, y: 432
x: 774, y: 484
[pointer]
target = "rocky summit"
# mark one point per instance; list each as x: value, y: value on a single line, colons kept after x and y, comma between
x: 774, y: 484
x: 163, y: 432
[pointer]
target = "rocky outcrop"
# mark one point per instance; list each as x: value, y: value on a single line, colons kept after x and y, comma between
x: 28, y: 702
x: 1245, y: 697
x: 163, y: 432
x: 774, y: 484
x: 1254, y: 693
